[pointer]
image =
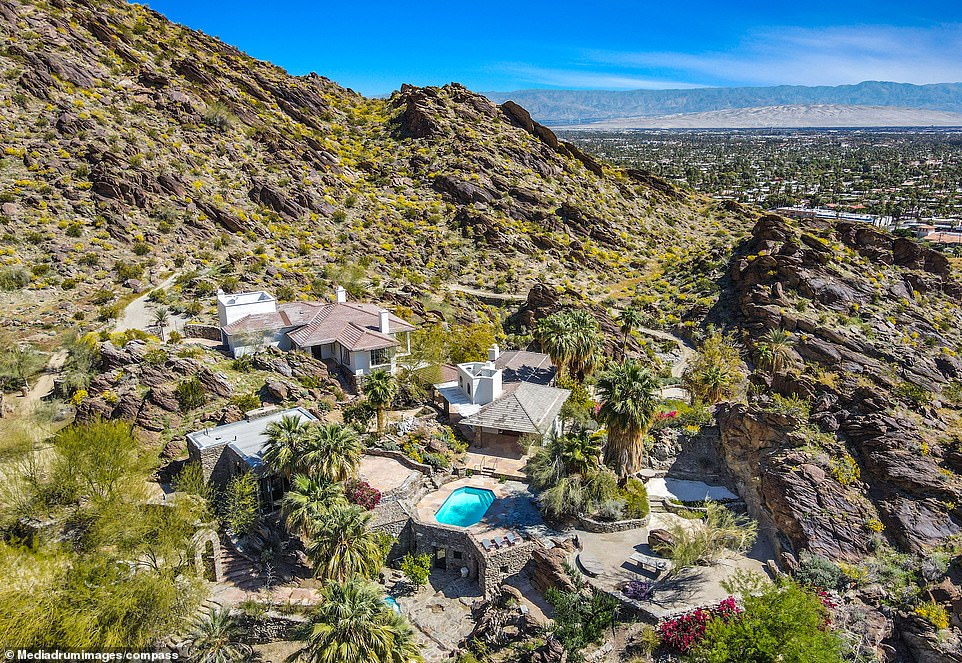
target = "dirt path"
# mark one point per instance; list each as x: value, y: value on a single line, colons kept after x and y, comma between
x: 686, y: 352
x: 43, y: 386
x: 139, y: 313
x: 487, y: 294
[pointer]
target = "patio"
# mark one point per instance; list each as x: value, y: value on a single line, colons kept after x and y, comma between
x: 692, y: 587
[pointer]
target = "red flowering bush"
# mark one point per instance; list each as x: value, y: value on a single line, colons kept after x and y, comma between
x: 686, y: 631
x: 362, y: 494
x: 667, y: 415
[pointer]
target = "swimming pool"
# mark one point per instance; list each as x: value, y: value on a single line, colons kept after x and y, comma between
x: 465, y: 506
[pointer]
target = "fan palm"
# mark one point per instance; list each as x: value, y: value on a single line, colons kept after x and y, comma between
x: 353, y: 624
x: 380, y: 388
x: 161, y: 318
x: 629, y: 401
x: 775, y: 350
x: 214, y: 638
x: 342, y: 546
x: 629, y: 319
x: 284, y: 438
x: 329, y: 452
x: 555, y: 336
x: 308, y: 500
x: 588, y: 344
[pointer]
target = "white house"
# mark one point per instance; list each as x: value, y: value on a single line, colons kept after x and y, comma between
x: 504, y: 398
x: 358, y: 337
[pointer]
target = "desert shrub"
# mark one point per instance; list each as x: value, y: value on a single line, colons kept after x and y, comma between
x: 190, y: 394
x: 416, y: 568
x: 155, y: 357
x: 245, y: 402
x: 821, y: 572
x: 611, y: 510
x: 635, y: 496
x: 128, y: 270
x: 716, y: 373
x: 915, y: 395
x: 218, y: 116
x: 190, y: 480
x: 13, y: 278
x: 791, y: 406
x: 780, y: 621
x: 359, y: 414
x: 580, y: 619
x: 243, y: 364
x: 437, y: 461
x: 702, y: 543
x: 934, y: 613
x: 845, y: 470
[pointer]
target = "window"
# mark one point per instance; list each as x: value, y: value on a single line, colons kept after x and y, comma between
x: 345, y: 356
x: 456, y: 554
x: 380, y: 356
x: 504, y: 569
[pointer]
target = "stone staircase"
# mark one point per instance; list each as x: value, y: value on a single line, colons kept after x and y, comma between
x: 240, y: 571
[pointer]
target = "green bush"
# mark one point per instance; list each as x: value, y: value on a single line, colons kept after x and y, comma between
x: 416, y: 568
x: 241, y: 505
x: 780, y: 621
x: 246, y: 401
x: 190, y: 394
x: 635, y: 496
x: 13, y: 278
x: 722, y: 530
x: 580, y: 620
x: 818, y: 571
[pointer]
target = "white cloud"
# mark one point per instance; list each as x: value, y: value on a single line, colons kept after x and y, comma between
x: 807, y: 56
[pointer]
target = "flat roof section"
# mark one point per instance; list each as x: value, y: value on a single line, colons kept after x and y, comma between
x: 246, y: 437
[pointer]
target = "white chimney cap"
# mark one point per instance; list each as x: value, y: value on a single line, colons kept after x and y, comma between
x: 384, y: 318
x: 341, y: 294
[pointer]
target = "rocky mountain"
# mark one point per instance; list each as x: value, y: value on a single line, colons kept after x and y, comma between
x: 135, y: 150
x: 797, y: 116
x: 570, y: 107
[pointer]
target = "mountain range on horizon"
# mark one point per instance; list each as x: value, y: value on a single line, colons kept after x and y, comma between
x: 582, y: 107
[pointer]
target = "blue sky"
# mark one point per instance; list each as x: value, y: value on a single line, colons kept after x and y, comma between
x: 490, y: 45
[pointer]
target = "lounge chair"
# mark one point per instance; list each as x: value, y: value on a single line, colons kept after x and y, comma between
x: 487, y: 544
x: 512, y: 538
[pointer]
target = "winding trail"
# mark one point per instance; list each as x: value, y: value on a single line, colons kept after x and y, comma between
x: 138, y: 314
x: 42, y: 386
x: 486, y: 294
x: 686, y: 352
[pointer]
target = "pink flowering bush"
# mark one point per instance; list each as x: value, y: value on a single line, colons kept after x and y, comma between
x: 362, y: 494
x: 685, y: 631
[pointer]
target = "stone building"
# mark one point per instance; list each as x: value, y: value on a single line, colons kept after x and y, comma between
x: 231, y: 449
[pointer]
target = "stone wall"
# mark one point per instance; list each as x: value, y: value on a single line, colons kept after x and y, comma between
x: 603, y: 527
x: 393, y: 518
x: 209, y: 332
x: 500, y: 565
x: 401, y: 458
x: 217, y: 462
x: 460, y: 550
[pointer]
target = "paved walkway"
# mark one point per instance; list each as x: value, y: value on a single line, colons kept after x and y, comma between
x: 385, y: 474
x: 139, y: 313
x: 682, y: 490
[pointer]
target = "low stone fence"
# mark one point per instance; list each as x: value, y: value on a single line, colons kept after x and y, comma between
x: 210, y: 332
x: 603, y: 527
x: 423, y: 468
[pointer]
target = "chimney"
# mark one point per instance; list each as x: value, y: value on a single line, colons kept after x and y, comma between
x: 385, y: 321
x: 341, y: 294
x: 494, y: 352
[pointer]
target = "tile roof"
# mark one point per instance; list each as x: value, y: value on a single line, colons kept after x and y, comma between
x: 292, y: 314
x: 524, y: 366
x: 354, y: 325
x: 529, y: 408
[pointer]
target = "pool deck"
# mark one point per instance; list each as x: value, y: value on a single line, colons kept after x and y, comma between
x: 513, y: 509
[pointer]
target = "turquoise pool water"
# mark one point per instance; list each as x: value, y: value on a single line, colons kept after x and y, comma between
x: 392, y: 603
x: 465, y: 506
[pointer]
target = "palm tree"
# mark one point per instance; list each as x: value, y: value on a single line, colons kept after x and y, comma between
x: 630, y: 319
x: 309, y: 500
x: 330, y: 452
x: 588, y: 343
x: 342, y: 546
x: 629, y: 401
x: 161, y: 319
x: 353, y: 624
x: 775, y: 350
x: 282, y: 449
x: 573, y: 341
x: 554, y: 335
x: 214, y: 638
x: 380, y: 387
